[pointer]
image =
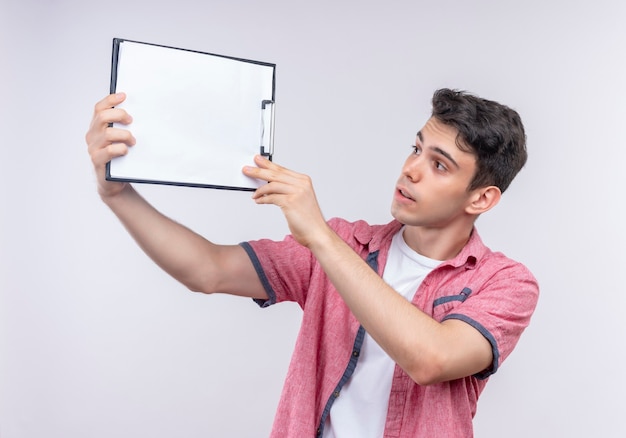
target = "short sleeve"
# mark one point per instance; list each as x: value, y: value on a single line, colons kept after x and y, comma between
x: 500, y: 309
x: 284, y: 268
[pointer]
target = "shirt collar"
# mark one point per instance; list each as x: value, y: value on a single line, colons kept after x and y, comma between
x: 377, y: 236
x: 473, y: 251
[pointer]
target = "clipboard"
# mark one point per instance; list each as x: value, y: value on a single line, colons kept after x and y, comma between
x: 198, y: 117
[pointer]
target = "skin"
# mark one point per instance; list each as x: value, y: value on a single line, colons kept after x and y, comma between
x: 431, y: 199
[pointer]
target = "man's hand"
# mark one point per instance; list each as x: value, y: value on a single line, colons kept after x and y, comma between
x: 105, y: 142
x: 293, y: 193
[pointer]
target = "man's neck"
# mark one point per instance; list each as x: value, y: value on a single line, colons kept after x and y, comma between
x: 437, y: 243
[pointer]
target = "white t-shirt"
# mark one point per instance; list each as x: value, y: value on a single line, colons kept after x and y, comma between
x: 361, y: 409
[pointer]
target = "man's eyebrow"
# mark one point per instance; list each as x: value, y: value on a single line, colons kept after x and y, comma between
x: 438, y: 150
x: 445, y: 154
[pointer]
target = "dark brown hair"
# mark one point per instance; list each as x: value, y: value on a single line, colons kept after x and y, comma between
x: 491, y: 131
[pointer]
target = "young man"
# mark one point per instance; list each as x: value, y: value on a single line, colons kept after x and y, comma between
x: 404, y: 322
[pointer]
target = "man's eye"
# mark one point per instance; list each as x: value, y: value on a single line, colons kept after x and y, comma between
x: 416, y: 149
x: 440, y: 165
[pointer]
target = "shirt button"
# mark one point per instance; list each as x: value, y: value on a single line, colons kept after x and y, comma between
x: 355, y: 353
x: 336, y: 394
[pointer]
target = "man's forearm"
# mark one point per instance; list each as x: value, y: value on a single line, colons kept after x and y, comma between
x: 427, y: 350
x: 176, y: 249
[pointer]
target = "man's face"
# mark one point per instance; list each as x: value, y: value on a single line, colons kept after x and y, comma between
x: 432, y: 188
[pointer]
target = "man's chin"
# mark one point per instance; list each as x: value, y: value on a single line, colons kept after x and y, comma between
x: 401, y: 216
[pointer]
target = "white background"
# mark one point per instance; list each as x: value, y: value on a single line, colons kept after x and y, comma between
x: 95, y: 341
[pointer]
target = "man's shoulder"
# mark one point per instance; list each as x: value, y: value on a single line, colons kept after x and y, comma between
x: 486, y: 260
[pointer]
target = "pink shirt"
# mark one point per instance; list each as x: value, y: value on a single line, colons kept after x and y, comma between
x: 494, y: 294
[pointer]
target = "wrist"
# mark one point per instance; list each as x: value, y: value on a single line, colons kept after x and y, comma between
x: 324, y: 239
x: 113, y: 197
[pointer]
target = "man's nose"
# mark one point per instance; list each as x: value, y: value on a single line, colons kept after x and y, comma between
x: 413, y: 168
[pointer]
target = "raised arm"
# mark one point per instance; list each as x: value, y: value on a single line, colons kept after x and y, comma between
x: 197, y: 263
x: 429, y: 351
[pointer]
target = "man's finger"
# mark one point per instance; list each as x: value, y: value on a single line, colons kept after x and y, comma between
x: 109, y: 101
x: 102, y: 156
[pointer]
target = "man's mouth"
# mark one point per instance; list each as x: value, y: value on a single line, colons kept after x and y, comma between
x: 405, y: 194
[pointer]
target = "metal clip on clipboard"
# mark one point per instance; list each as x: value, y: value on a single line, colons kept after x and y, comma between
x: 267, y: 128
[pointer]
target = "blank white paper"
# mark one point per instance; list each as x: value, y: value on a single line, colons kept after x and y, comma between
x: 197, y: 117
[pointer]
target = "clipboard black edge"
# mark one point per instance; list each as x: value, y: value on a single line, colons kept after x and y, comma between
x: 179, y: 184
x: 113, y: 87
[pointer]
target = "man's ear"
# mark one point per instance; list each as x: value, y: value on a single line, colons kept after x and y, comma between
x: 483, y: 199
